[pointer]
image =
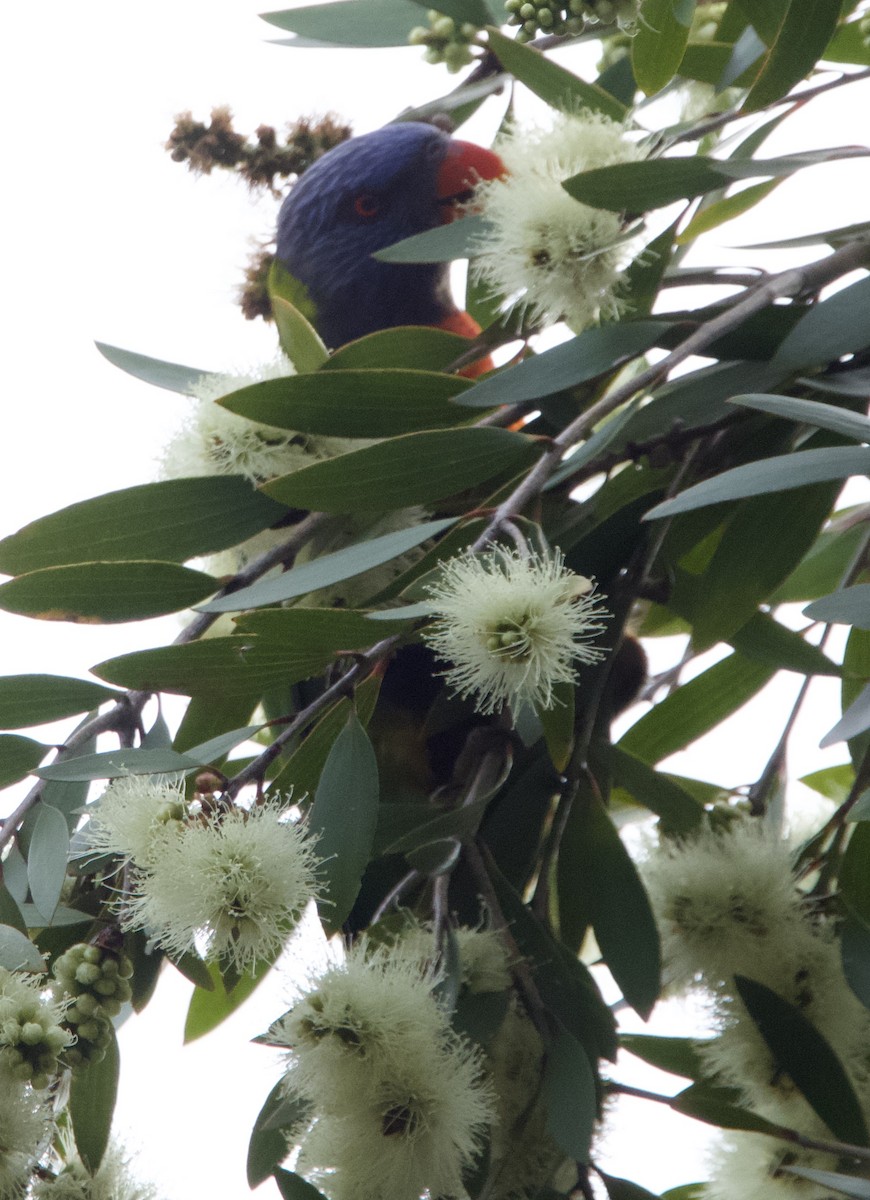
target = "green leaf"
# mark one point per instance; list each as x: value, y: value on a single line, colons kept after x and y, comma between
x: 111, y: 764
x: 799, y: 1049
x: 849, y: 45
x: 678, y: 1055
x: 825, y: 565
x: 849, y: 1185
x: 93, y: 1091
x: 10, y: 914
x: 800, y: 42
x: 47, y: 859
x: 849, y: 606
x: 343, y: 819
x: 855, y: 957
x: 299, y: 339
x: 617, y: 904
x: 810, y: 412
x: 330, y: 568
x: 416, y: 468
x: 361, y: 403
x: 350, y: 22
x: 834, y: 327
x: 657, y: 47
x: 855, y: 872
x: 173, y: 520
x: 290, y: 1185
x: 835, y: 783
x: 639, y: 186
x: 678, y: 811
x: 208, y: 1009
x: 568, y: 1089
x: 170, y: 376
x: 624, y: 1189
x: 594, y: 352
x: 304, y: 766
x: 444, y: 243
x: 414, y: 346
x: 106, y: 592
x: 18, y: 757
x: 18, y: 953
x: 855, y: 720
x: 457, y: 823
x: 764, y: 640
x: 552, y: 83
x: 695, y: 708
x: 720, y: 211
x: 38, y: 699
x: 719, y: 1106
x: 473, y: 12
x: 558, y: 725
x: 777, y: 474
x: 268, y: 1148
x: 766, y: 16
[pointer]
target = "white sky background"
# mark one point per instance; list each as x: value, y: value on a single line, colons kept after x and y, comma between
x: 103, y: 237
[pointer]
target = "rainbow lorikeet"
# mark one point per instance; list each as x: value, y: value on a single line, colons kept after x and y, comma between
x: 363, y: 195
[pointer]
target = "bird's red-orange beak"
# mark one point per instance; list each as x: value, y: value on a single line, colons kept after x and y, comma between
x: 463, y: 167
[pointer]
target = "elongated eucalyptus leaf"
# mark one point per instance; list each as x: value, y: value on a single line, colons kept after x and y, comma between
x: 106, y: 592
x: 267, y: 1148
x: 17, y: 951
x: 658, y: 45
x: 416, y: 468
x: 850, y: 606
x: 36, y: 699
x: 720, y: 211
x: 719, y: 1106
x: 568, y: 1089
x: 170, y: 376
x: 800, y: 42
x: 18, y: 756
x: 109, y: 764
x: 695, y: 708
x: 554, y: 84
x: 855, y: 956
x: 769, y: 475
x: 835, y: 326
x: 354, y: 403
x: 810, y: 412
x: 351, y: 22
x: 444, y: 243
x: 294, y: 1187
x: 210, y: 1008
x: 592, y: 353
x: 624, y: 1189
x: 799, y: 1049
x: 679, y: 1055
x: 173, y: 520
x: 474, y: 12
x: 855, y: 872
x: 846, y: 1185
x: 329, y: 568
x: 405, y: 346
x: 678, y: 811
x: 93, y: 1091
x: 617, y: 903
x: 765, y: 640
x: 47, y: 859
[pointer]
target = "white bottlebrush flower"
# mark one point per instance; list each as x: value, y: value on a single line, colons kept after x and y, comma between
x: 413, y: 1132
x: 135, y: 815
x: 25, y: 1131
x: 215, y: 441
x: 512, y: 627
x: 564, y: 258
x: 31, y: 1030
x: 113, y: 1180
x: 748, y: 1166
x: 483, y: 959
x: 358, y: 1020
x: 238, y: 880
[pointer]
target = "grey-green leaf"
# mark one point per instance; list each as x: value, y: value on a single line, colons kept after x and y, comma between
x: 47, y: 859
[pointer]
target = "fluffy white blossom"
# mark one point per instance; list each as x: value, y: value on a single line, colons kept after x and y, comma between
x: 135, y: 815
x: 214, y: 441
x: 564, y: 258
x: 113, y: 1180
x: 31, y: 1031
x: 25, y: 1130
x: 238, y: 880
x: 748, y: 1166
x: 511, y: 627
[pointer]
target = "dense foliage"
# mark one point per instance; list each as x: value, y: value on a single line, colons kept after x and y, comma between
x: 420, y: 600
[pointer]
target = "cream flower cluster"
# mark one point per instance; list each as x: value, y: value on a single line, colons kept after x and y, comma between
x: 26, y: 1128
x: 564, y: 259
x: 512, y: 626
x: 728, y: 904
x: 399, y: 1102
x: 233, y: 883
x: 113, y: 1179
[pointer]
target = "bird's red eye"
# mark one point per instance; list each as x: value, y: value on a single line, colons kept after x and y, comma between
x: 366, y: 205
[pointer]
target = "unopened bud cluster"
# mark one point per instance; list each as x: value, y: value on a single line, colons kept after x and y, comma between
x: 445, y: 41
x: 32, y: 1036
x: 536, y: 17
x: 97, y: 981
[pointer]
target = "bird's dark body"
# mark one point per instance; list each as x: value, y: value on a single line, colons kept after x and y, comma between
x: 363, y: 195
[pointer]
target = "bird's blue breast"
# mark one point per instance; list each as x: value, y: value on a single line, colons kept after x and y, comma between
x: 327, y: 233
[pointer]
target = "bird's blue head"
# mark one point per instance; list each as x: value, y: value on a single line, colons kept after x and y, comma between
x: 363, y: 195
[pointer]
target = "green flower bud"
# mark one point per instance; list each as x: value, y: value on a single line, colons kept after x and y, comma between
x: 32, y: 1033
x: 88, y: 973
